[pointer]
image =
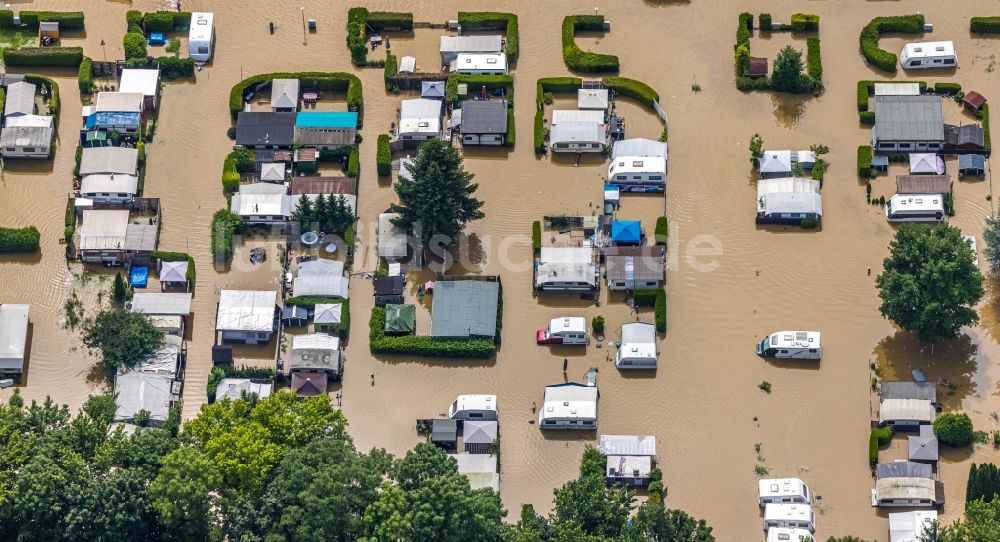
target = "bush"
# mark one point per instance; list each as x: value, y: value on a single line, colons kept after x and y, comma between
x: 574, y: 57
x: 311, y: 301
x: 743, y: 30
x: 633, y: 89
x: 746, y: 84
x: 880, y: 58
x: 985, y: 25
x: 160, y: 21
x: 661, y: 231
x: 356, y: 41
x: 597, y: 324
x: 864, y: 161
x: 879, y: 437
x: 805, y: 22
x: 765, y: 21
x: 133, y: 18
x: 177, y: 257
x: 335, y: 81
x: 225, y: 224
x: 383, y: 156
x: 814, y: 62
x: 491, y: 20
x: 863, y: 94
x: 867, y: 117
x: 807, y: 223
x: 660, y: 311
x: 6, y: 18
x: 230, y: 182
x: 511, y: 131
x: 68, y: 20
x: 947, y: 88
x: 555, y: 84
x: 135, y: 45
x: 645, y: 297
x: 423, y: 345
x: 43, y: 56
x: 354, y: 164
x: 19, y: 239
x: 172, y: 67
x: 390, y: 68
x: 954, y: 429
x: 84, y: 77
x: 381, y: 20
x: 536, y: 235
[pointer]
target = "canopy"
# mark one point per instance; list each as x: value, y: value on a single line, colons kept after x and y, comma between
x: 626, y: 231
x: 173, y: 271
x: 926, y: 163
x: 400, y: 318
x: 479, y: 432
x: 328, y: 313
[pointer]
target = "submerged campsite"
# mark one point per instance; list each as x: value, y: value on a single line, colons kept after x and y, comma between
x: 512, y: 251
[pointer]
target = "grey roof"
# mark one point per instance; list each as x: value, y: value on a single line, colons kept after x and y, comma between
x: 471, y: 44
x: 315, y: 352
x: 308, y: 383
x: 484, y: 117
x: 464, y: 308
x: 141, y: 237
x: 479, y: 431
x: 170, y: 303
x: 575, y: 132
x: 285, y: 93
x: 119, y: 160
x: 13, y: 335
x: 444, y: 431
x: 328, y: 313
x: 20, y: 99
x: 923, y: 184
x: 971, y: 161
x: 902, y: 469
x: 233, y: 388
x: 389, y: 285
x: 909, y: 390
x: 638, y: 263
x: 640, y: 146
x: 967, y: 134
x: 26, y: 136
x: 138, y: 390
x: 923, y: 447
x: 908, y: 118
x: 432, y: 89
x: 265, y: 128
x: 793, y: 203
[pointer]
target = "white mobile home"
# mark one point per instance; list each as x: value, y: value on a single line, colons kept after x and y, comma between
x: 789, y: 534
x: 419, y: 119
x: 25, y: 142
x: 915, y: 208
x: 262, y: 203
x: 451, y: 46
x: 13, y: 338
x: 246, y: 316
x: 791, y: 345
x: 577, y: 137
x: 799, y: 516
x: 638, y: 349
x: 639, y: 165
x: 569, y: 406
x: 906, y: 483
x: 783, y: 491
x: 565, y: 330
x: 109, y: 188
x: 474, y: 407
x: 567, y: 269
x: 928, y: 54
x: 909, y: 526
x: 479, y: 64
x: 201, y: 37
x: 903, y: 414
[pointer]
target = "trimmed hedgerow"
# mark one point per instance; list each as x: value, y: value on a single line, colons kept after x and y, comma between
x: 135, y: 45
x: 633, y: 89
x: 814, y: 62
x: 43, y: 56
x: 225, y: 224
x: 172, y: 67
x: 662, y: 231
x: 660, y: 311
x: 423, y: 345
x: 802, y: 22
x: 879, y: 437
x: 511, y: 132
x: 539, y: 132
x: 19, y: 239
x: 746, y: 84
x: 176, y: 257
x: 985, y: 25
x: 867, y: 117
x: 354, y: 164
x: 984, y: 113
x: 864, y: 161
x: 50, y: 86
x: 536, y: 235
x: 336, y: 81
x: 493, y: 20
x: 356, y: 41
x: 555, y: 84
x: 867, y: 89
x: 574, y: 57
x: 390, y: 68
x: 310, y: 302
x: 947, y: 88
x: 395, y: 20
x: 68, y: 20
x: 383, y: 156
x: 645, y: 297
x: 764, y: 21
x: 166, y: 21
x: 84, y: 76
x: 880, y: 58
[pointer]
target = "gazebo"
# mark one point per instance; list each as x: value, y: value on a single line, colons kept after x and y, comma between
x: 327, y: 315
x: 172, y: 273
x: 400, y: 319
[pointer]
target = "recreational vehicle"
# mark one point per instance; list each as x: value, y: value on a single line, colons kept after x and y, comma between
x: 638, y: 348
x: 792, y: 345
x: 788, y: 534
x: 928, y: 54
x: 566, y: 330
x: 201, y: 37
x: 474, y: 407
x: 796, y: 516
x: 915, y: 208
x: 783, y: 491
x: 569, y: 406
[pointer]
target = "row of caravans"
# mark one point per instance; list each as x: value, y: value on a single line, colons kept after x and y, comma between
x: 788, y: 513
x: 638, y: 340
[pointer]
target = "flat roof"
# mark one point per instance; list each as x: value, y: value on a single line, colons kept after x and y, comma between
x: 315, y: 351
x: 781, y: 487
x: 479, y: 61
x: 13, y: 335
x: 908, y: 118
x: 233, y: 388
x: 392, y: 242
x: 464, y: 308
x: 568, y: 324
x: 20, y: 99
x: 103, y: 229
x: 162, y: 303
x: 577, y: 115
x: 137, y: 391
x: 118, y: 160
x: 471, y: 44
x: 906, y: 409
x: 570, y: 401
x: 640, y: 146
x: 139, y: 80
x: 484, y: 117
x: 119, y: 101
x: 24, y: 136
x: 326, y: 119
x: 576, y: 132
x: 109, y: 183
x: 627, y: 445
x: 246, y: 310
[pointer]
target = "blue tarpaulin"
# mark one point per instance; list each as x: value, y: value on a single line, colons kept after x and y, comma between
x: 157, y: 38
x: 113, y: 119
x: 138, y: 277
x: 627, y: 232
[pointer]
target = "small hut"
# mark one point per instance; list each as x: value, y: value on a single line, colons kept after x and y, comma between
x: 758, y: 67
x: 973, y: 101
x: 971, y: 165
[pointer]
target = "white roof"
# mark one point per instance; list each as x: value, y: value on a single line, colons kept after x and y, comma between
x: 103, y: 183
x: 567, y: 254
x: 201, y: 26
x: 166, y: 322
x: 173, y: 271
x: 775, y: 162
x: 162, y: 303
x: 471, y: 44
x: 130, y: 102
x: 38, y: 121
x: 901, y: 487
x: 322, y: 285
x: 577, y: 132
x: 285, y: 93
x: 637, y: 164
x: 480, y: 469
x: 627, y: 445
x: 925, y: 49
x: 566, y: 264
x: 233, y: 388
x: 164, y: 360
x: 103, y: 229
x: 576, y: 115
x: 467, y: 62
x: 916, y: 202
x: 315, y: 341
x: 787, y: 185
x: 897, y: 89
x: 640, y: 146
x: 13, y: 335
x: 141, y: 81
x: 781, y: 487
x: 638, y: 332
x: 592, y: 98
x: 328, y: 313
x: 320, y: 267
x: 774, y: 511
x: 391, y: 238
x: 791, y: 203
x: 109, y: 160
x: 908, y: 526
x: 635, y: 352
x: 20, y: 99
x: 926, y: 163
x: 262, y: 199
x: 407, y: 64
x: 475, y: 402
x: 272, y: 171
x: 906, y: 409
x: 246, y: 310
x: 420, y: 116
x: 137, y: 391
x: 788, y: 534
x: 795, y: 339
x: 568, y: 324
x: 569, y: 401
x: 479, y: 431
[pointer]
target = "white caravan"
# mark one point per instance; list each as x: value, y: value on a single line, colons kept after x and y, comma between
x: 796, y: 516
x: 783, y: 491
x: 788, y: 534
x: 915, y: 208
x: 791, y: 344
x: 565, y: 330
x: 474, y: 407
x: 928, y: 54
x: 201, y: 37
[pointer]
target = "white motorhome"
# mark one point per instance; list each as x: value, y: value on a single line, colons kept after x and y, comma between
x: 928, y: 54
x: 783, y: 491
x: 795, y: 516
x: 201, y: 37
x: 788, y: 534
x: 638, y: 349
x: 569, y: 406
x: 474, y: 407
x: 565, y: 330
x: 915, y: 208
x: 792, y: 345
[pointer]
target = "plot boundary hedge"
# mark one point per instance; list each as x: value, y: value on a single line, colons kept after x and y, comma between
x: 511, y: 131
x: 225, y: 224
x: 322, y: 80
x: 177, y: 257
x: 310, y: 302
x: 864, y: 161
x: 43, y: 56
x: 24, y: 239
x: 424, y: 345
x: 801, y: 22
x: 870, y: 34
x: 359, y: 17
x: 68, y: 20
x: 577, y: 59
x: 383, y: 156
x: 494, y: 20
x: 985, y: 25
x: 633, y: 89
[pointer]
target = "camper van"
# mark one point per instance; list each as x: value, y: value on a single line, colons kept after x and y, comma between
x: 928, y: 54
x: 783, y: 491
x: 638, y: 347
x: 201, y: 37
x: 474, y: 407
x: 915, y: 208
x: 566, y: 330
x: 794, y: 516
x: 791, y: 344
x: 786, y: 534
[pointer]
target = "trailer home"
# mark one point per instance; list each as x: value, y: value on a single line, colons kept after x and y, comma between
x: 915, y: 208
x: 638, y: 348
x: 201, y: 37
x: 569, y: 406
x: 783, y: 491
x: 791, y: 345
x: 928, y: 54
x: 474, y: 407
x: 798, y: 516
x: 789, y: 534
x: 565, y: 330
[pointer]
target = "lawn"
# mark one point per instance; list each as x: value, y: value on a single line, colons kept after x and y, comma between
x: 18, y: 37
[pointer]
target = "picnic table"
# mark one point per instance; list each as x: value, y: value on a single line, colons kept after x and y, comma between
x: 311, y: 97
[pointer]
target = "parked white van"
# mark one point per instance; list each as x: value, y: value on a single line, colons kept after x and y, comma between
x: 792, y: 345
x: 915, y: 208
x: 783, y: 491
x: 928, y: 54
x: 797, y: 516
x: 201, y: 36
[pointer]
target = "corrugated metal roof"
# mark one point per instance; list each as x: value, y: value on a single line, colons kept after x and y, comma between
x: 20, y: 99
x: 109, y: 160
x: 464, y: 308
x: 25, y: 136
x: 162, y: 303
x: 793, y: 203
x: 908, y: 118
x: 644, y: 263
x: 640, y: 147
x: 471, y: 44
x: 484, y: 117
x: 923, y: 184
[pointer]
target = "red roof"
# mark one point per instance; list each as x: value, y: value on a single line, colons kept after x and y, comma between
x: 758, y: 67
x: 308, y: 384
x: 973, y: 99
x: 324, y: 185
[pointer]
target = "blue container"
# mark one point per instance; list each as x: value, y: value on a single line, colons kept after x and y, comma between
x: 138, y: 277
x: 157, y: 38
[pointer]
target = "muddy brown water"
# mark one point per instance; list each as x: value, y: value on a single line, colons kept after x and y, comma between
x: 703, y: 403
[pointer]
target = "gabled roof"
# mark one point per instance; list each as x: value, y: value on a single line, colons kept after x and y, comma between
x: 626, y: 231
x: 328, y: 313
x: 173, y: 271
x: 432, y: 89
x: 479, y: 431
x: 592, y: 98
x: 20, y: 99
x: 233, y: 388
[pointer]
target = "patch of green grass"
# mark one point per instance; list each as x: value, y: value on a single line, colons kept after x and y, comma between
x: 17, y: 38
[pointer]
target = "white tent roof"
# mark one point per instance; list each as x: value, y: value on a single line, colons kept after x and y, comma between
x: 233, y: 388
x: 328, y: 313
x: 908, y: 526
x: 321, y: 285
x: 139, y: 80
x: 13, y: 335
x: 246, y: 310
x: 926, y: 163
x: 479, y: 431
x: 103, y: 229
x: 775, y: 162
x: 592, y: 98
x: 272, y: 172
x: 407, y: 64
x: 162, y: 303
x: 109, y: 183
x: 262, y: 199
x: 627, y: 445
x: 906, y: 409
x: 173, y: 271
x: 285, y: 93
x: 391, y: 238
x: 787, y: 185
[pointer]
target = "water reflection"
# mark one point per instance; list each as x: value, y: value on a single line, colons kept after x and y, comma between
x: 788, y: 108
x: 951, y: 363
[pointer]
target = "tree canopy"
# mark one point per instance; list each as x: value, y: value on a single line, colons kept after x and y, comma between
x: 124, y: 338
x: 786, y: 73
x: 991, y: 252
x: 930, y: 281
x: 438, y: 198
x: 981, y: 523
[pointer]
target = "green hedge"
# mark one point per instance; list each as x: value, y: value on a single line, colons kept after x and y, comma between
x: 947, y: 88
x: 985, y: 115
x: 802, y: 22
x: 423, y: 345
x: 985, y: 25
x: 43, y: 56
x: 743, y: 30
x: 491, y: 82
x: 133, y: 18
x: 165, y: 21
x: 390, y: 68
x: 225, y: 224
x: 336, y: 81
x: 380, y: 20
x: 310, y: 302
x: 354, y: 164
x: 356, y: 40
x: 70, y: 219
x: 6, y: 18
x: 746, y: 84
x: 222, y: 372
x: 176, y: 257
x: 511, y: 132
x: 493, y: 20
x: 135, y: 45
x: 50, y: 85
x: 555, y: 84
x: 660, y: 311
x: 539, y: 132
x: 172, y: 67
x: 879, y: 437
x: 574, y: 57
x: 383, y: 156
x: 814, y: 62
x: 19, y: 239
x: 633, y: 89
x: 765, y: 21
x: 864, y: 161
x: 645, y: 297
x: 662, y: 231
x: 867, y: 118
x: 84, y: 76
x: 68, y: 20
x: 880, y: 58
x: 536, y: 235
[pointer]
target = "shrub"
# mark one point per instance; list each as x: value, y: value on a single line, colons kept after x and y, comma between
x: 864, y: 91
x: 135, y: 45
x: 225, y: 223
x: 645, y: 297
x: 68, y: 20
x: 172, y: 67
x: 6, y: 18
x: 491, y: 20
x: 160, y: 21
x: 743, y: 30
x: 807, y: 223
x: 422, y: 345
x: 176, y: 257
x: 867, y: 117
x: 804, y: 22
x: 140, y: 151
x: 660, y: 310
x: 84, y: 77
x: 539, y: 132
x: 536, y: 235
x: 43, y: 56
x: 954, y: 429
x: 133, y: 18
x: 633, y: 89
x: 765, y: 21
x: 574, y: 57
x: 381, y: 20
x: 879, y: 437
x: 597, y: 324
x: 335, y: 81
x: 230, y: 182
x: 356, y: 41
x: 985, y: 25
x: 19, y: 239
x: 661, y: 232
x: 814, y: 62
x: 511, y: 131
x: 390, y: 68
x: 746, y: 84
x: 880, y: 58
x: 864, y: 161
x: 311, y: 301
x: 947, y: 88
x: 354, y: 164
x: 383, y: 156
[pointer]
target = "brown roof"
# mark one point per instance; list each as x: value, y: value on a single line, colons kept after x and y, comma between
x: 324, y: 185
x: 306, y: 154
x: 758, y: 67
x: 308, y: 384
x: 647, y: 264
x: 923, y: 184
x: 973, y: 99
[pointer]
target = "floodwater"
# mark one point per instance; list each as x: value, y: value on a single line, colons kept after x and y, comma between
x: 729, y: 282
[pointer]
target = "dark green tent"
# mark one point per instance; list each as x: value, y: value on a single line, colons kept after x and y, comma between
x: 400, y: 319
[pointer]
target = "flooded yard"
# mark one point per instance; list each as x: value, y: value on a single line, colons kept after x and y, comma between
x: 729, y: 282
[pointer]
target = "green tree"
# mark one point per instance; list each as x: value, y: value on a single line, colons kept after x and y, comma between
x: 798, y: 170
x: 981, y: 523
x: 954, y: 429
x: 930, y: 282
x: 134, y: 44
x: 756, y: 149
x: 786, y: 74
x: 656, y: 523
x: 991, y: 234
x: 119, y: 292
x: 321, y: 212
x: 303, y: 213
x: 439, y: 198
x: 587, y: 501
x: 115, y: 508
x: 124, y: 338
x: 742, y: 59
x: 182, y: 493
x: 54, y: 481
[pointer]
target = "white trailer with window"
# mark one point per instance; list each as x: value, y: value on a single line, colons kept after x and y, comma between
x: 928, y: 54
x: 638, y: 349
x: 792, y: 345
x: 783, y: 491
x: 915, y: 208
x: 474, y: 407
x: 201, y: 37
x: 789, y: 534
x: 565, y: 330
x: 796, y: 516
